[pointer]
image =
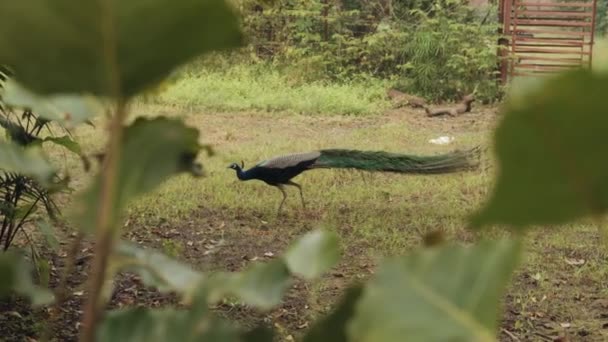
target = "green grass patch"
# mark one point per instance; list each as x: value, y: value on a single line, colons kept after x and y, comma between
x: 376, y: 215
x: 390, y: 211
x: 263, y: 88
x: 600, y: 55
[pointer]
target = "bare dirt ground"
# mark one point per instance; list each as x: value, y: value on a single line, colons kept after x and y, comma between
x: 558, y: 293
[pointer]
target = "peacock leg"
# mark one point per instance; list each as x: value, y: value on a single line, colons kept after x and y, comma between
x: 299, y: 188
x: 280, y: 187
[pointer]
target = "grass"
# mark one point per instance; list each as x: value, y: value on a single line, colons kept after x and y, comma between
x: 254, y: 137
x: 244, y: 87
x: 376, y: 215
x: 600, y: 55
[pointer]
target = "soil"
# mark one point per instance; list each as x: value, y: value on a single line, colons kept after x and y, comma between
x: 214, y: 241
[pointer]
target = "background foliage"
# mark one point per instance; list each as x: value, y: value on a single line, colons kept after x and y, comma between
x: 602, y: 17
x: 421, y: 47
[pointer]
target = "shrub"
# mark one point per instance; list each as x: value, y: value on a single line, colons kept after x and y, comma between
x: 425, y: 45
x: 21, y: 195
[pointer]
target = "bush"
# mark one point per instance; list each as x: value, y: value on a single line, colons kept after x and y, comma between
x: 22, y: 195
x: 602, y: 17
x: 445, y: 63
x: 425, y: 45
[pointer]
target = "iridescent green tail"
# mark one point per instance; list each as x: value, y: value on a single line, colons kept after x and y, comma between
x: 402, y: 163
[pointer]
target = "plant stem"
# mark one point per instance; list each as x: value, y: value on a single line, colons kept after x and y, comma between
x: 104, y: 228
x: 104, y: 234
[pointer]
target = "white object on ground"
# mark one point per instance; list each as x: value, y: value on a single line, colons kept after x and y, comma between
x: 442, y: 140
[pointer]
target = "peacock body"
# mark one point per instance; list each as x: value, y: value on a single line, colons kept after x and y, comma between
x: 280, y: 171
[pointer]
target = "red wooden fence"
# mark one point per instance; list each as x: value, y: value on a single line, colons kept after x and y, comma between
x: 543, y: 37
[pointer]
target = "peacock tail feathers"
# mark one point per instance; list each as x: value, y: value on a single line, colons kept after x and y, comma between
x: 402, y: 163
x: 290, y: 160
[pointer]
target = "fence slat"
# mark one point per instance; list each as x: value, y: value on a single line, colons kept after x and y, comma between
x: 548, y: 36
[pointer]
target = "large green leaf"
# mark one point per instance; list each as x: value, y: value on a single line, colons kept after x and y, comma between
x: 162, y: 325
x: 333, y: 327
x: 153, y: 150
x: 551, y: 154
x: 448, y: 293
x: 27, y: 161
x: 313, y: 254
x: 262, y: 285
x: 71, y: 46
x: 71, y: 145
x: 46, y: 230
x: 15, y: 276
x: 66, y: 109
x: 66, y: 142
x: 156, y: 269
x: 258, y: 334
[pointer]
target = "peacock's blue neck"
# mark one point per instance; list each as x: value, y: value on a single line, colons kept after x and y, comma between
x: 243, y: 174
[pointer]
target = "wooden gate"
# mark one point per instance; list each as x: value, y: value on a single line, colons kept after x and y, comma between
x: 545, y: 36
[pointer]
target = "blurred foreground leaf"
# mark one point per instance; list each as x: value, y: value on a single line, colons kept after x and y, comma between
x: 552, y: 161
x: 153, y: 150
x: 15, y: 276
x: 66, y: 109
x: 261, y: 285
x: 333, y: 327
x: 313, y: 254
x: 156, y: 269
x: 162, y: 325
x: 70, y: 46
x: 28, y: 161
x: 448, y: 293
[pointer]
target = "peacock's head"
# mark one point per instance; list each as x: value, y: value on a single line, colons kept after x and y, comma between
x: 236, y: 166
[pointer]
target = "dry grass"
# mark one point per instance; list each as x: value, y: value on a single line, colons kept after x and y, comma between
x: 375, y: 214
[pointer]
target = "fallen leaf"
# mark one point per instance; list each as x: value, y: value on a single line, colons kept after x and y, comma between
x: 575, y: 262
x: 15, y: 314
x: 601, y: 302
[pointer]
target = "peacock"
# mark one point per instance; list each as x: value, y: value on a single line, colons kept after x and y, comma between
x: 279, y: 171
